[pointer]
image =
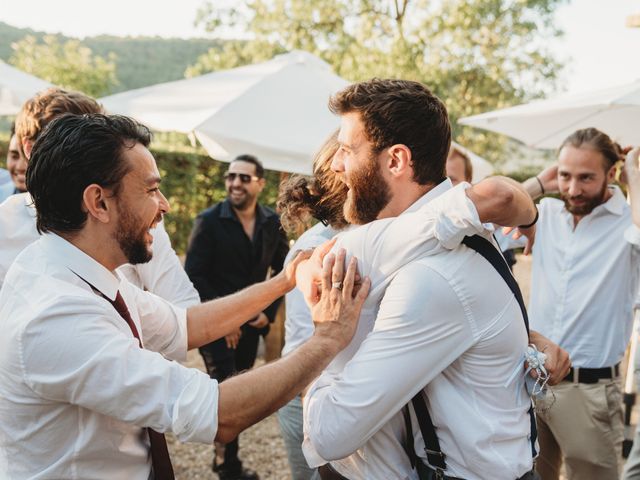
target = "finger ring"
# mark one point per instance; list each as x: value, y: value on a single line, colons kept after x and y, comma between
x: 337, y: 285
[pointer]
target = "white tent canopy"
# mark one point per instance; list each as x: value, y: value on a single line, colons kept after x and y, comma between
x: 546, y: 123
x: 16, y: 87
x: 276, y: 110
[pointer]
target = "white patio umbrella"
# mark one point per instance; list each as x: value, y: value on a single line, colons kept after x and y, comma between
x: 546, y: 123
x: 16, y: 87
x: 276, y: 110
x: 481, y: 167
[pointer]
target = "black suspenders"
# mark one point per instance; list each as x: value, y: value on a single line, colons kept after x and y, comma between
x: 435, y: 456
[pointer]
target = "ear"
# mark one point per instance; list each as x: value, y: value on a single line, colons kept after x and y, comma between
x: 399, y: 162
x: 27, y: 146
x: 97, y: 203
x: 262, y: 182
x: 611, y: 174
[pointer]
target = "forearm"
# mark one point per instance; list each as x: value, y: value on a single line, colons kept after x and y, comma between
x: 534, y: 187
x: 502, y: 201
x: 215, y: 319
x: 250, y: 397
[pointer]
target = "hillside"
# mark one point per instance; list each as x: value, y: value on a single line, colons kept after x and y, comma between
x: 140, y: 61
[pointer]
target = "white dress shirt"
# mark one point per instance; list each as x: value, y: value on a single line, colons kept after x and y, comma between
x: 585, y: 280
x: 76, y: 389
x: 163, y: 275
x: 436, y: 318
x: 298, y: 326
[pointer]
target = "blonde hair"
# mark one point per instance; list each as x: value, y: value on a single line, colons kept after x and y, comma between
x: 42, y: 108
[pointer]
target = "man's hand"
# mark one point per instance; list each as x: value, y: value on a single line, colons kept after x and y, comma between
x: 261, y: 321
x: 233, y: 338
x: 288, y: 274
x: 557, y: 362
x: 528, y: 233
x: 337, y: 311
x: 309, y: 274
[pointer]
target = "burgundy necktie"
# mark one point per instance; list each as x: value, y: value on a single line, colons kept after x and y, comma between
x: 162, y: 469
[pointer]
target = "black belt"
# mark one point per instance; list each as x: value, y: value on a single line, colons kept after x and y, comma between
x: 327, y: 472
x: 592, y: 375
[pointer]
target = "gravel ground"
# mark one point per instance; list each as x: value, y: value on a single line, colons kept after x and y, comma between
x: 261, y: 448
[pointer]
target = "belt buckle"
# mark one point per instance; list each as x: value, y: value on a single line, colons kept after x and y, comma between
x: 439, y: 474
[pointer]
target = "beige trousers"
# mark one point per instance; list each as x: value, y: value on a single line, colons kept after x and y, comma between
x: 583, y: 427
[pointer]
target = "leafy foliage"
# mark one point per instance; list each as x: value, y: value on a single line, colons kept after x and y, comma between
x: 69, y: 65
x: 477, y: 55
x: 139, y: 61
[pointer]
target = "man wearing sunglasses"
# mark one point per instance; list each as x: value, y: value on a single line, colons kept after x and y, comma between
x: 234, y: 244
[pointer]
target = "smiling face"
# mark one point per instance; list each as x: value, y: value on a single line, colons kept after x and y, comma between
x: 583, y: 178
x: 17, y: 164
x: 243, y: 195
x: 140, y: 206
x: 358, y: 167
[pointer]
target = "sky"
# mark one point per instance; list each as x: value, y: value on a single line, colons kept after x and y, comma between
x: 598, y: 49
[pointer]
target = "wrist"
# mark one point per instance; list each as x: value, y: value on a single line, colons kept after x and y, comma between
x: 282, y: 283
x: 533, y: 222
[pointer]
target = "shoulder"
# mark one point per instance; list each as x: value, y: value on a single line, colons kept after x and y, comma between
x: 550, y: 205
x: 269, y: 214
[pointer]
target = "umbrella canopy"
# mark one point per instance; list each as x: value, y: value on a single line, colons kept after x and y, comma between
x: 481, y: 167
x: 16, y: 87
x: 276, y: 110
x: 546, y: 123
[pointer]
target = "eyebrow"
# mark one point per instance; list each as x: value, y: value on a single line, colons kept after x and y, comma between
x: 153, y: 180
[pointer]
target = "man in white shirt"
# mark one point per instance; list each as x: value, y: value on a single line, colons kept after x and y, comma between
x: 85, y: 378
x: 583, y: 287
x: 163, y: 275
x: 445, y: 324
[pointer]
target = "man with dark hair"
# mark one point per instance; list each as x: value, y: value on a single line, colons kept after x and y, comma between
x: 442, y: 331
x: 87, y: 384
x: 234, y: 244
x: 163, y: 275
x: 583, y: 287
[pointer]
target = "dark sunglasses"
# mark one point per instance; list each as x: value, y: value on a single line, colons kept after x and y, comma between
x: 244, y: 177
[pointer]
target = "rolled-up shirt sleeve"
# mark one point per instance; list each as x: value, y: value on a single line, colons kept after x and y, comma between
x: 420, y: 329
x: 81, y: 352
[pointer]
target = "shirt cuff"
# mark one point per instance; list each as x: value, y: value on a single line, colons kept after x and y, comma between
x: 177, y: 350
x: 457, y: 217
x: 632, y: 235
x: 195, y: 412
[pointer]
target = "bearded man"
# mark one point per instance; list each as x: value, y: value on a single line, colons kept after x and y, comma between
x: 585, y: 278
x: 233, y: 245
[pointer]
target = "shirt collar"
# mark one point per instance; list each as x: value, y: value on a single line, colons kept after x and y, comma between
x: 430, y: 195
x: 84, y: 266
x: 226, y: 211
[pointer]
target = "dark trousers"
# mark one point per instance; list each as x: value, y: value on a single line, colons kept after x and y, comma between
x: 221, y: 363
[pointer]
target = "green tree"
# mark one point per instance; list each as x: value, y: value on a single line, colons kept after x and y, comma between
x: 477, y: 55
x: 69, y: 65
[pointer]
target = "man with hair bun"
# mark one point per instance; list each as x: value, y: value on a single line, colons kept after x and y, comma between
x: 584, y: 283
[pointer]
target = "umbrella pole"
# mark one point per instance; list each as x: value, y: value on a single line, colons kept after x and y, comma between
x: 629, y: 397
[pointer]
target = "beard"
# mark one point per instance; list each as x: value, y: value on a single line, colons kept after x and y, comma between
x: 130, y: 236
x: 589, y: 203
x: 241, y: 203
x: 368, y: 195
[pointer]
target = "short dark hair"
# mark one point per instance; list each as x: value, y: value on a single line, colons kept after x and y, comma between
x: 401, y: 112
x: 594, y: 139
x: 251, y: 159
x: 73, y: 152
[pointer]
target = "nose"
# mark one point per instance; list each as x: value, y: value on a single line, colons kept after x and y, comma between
x: 574, y: 188
x: 337, y: 162
x: 164, y: 204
